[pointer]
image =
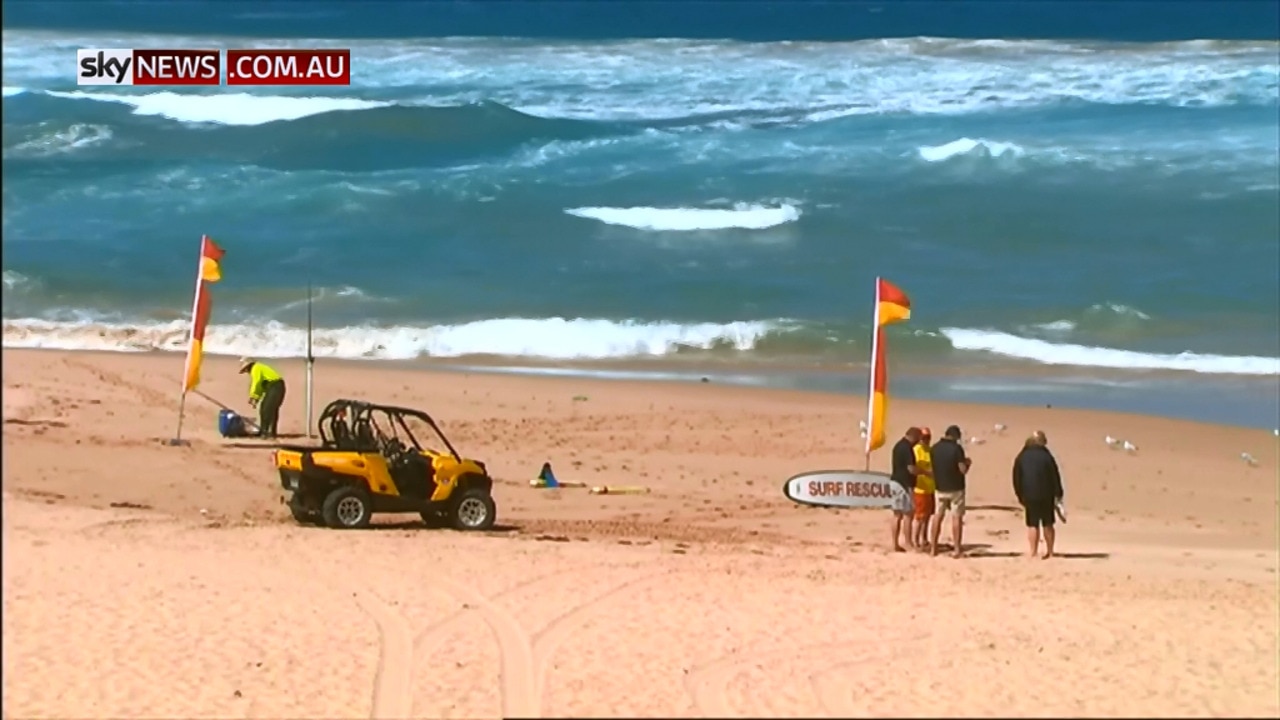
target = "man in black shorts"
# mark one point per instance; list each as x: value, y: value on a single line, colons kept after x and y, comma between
x: 950, y: 466
x: 1038, y: 485
x: 903, y: 487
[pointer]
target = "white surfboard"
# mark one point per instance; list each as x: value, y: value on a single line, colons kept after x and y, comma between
x: 842, y: 488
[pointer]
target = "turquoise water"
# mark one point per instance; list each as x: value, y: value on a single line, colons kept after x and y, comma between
x: 1106, y: 204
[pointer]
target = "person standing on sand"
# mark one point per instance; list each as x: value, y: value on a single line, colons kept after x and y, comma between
x: 924, y: 492
x: 903, y: 480
x: 266, y: 392
x: 950, y: 466
x: 1038, y: 485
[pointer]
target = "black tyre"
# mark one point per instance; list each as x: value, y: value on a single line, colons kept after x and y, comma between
x: 473, y: 510
x: 302, y: 512
x: 347, y: 508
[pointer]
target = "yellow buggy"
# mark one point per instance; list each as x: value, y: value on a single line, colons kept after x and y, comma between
x: 370, y: 460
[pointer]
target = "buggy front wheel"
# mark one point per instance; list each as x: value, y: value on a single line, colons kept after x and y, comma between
x: 473, y: 510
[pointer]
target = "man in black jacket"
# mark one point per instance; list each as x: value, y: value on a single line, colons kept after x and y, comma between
x: 1038, y: 485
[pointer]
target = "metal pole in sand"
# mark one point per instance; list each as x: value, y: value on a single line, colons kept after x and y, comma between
x: 182, y: 406
x: 311, y: 361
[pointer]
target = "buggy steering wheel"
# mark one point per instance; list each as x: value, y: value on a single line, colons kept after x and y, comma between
x: 393, y: 448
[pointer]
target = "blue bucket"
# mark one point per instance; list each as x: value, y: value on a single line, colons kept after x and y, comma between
x: 230, y: 424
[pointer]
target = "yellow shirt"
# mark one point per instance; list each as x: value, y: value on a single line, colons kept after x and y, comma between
x: 260, y: 374
x: 924, y: 461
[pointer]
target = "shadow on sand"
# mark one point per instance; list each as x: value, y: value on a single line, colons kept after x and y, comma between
x: 252, y: 444
x: 1061, y: 555
x: 998, y: 508
x: 498, y: 529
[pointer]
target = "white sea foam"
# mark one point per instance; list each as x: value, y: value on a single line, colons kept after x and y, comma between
x: 1118, y: 310
x: 16, y: 281
x: 224, y: 108
x: 1049, y: 353
x: 741, y: 216
x: 971, y: 147
x: 75, y: 137
x: 682, y: 78
x: 1112, y: 314
x: 553, y: 338
x: 11, y: 91
x: 1058, y: 326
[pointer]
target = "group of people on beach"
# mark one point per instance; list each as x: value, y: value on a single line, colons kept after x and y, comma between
x: 930, y: 480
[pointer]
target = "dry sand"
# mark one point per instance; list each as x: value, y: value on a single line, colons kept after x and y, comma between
x: 149, y: 581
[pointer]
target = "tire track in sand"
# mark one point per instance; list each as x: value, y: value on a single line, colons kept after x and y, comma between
x: 708, y: 683
x: 549, y: 639
x: 433, y: 634
x: 393, y: 680
x: 835, y: 695
x: 519, y: 691
x: 149, y: 395
x: 524, y: 656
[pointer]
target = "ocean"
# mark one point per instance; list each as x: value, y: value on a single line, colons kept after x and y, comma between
x: 1082, y: 200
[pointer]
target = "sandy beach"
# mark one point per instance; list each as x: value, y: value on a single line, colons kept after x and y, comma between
x: 142, y: 580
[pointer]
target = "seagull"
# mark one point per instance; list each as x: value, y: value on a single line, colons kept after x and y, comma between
x: 1248, y: 458
x: 863, y: 434
x: 975, y: 440
x: 1000, y: 427
x: 1113, y: 442
x: 862, y: 424
x: 1130, y: 447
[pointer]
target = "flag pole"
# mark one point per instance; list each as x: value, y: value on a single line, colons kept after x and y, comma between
x: 871, y: 377
x: 182, y: 408
x: 191, y: 333
x: 311, y: 360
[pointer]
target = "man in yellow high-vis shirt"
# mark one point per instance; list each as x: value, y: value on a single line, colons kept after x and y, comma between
x: 266, y: 392
x: 925, y: 495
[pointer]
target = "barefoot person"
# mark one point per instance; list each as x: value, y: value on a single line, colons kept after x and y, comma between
x: 924, y: 494
x: 950, y: 466
x: 1038, y: 485
x: 903, y: 488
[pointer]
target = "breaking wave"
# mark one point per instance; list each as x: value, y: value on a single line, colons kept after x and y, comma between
x: 1052, y: 353
x: 742, y: 216
x: 594, y: 339
x: 339, y: 134
x: 969, y: 147
x: 553, y: 338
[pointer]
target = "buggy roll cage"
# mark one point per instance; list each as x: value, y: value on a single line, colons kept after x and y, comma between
x: 350, y: 425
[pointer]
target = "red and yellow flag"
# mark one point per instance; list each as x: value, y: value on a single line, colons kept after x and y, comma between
x: 892, y: 305
x: 209, y: 271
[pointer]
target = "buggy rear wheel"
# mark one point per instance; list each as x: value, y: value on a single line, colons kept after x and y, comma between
x: 473, y: 510
x: 302, y: 513
x: 347, y: 508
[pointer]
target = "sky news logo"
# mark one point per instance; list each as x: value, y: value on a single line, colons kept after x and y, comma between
x: 204, y: 67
